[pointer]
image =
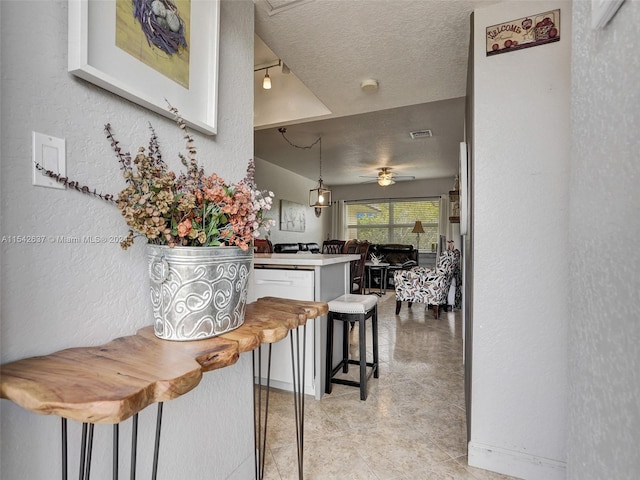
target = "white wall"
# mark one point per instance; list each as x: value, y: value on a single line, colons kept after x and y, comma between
x: 521, y: 250
x: 604, y: 331
x: 438, y: 187
x: 56, y: 295
x: 287, y: 185
x: 290, y: 186
x: 415, y: 188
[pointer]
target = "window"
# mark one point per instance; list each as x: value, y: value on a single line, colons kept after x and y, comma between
x: 391, y: 221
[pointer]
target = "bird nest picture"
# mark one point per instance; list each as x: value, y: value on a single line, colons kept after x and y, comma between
x: 156, y: 32
x: 161, y: 23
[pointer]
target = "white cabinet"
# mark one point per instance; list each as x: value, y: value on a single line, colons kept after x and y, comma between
x: 312, y: 277
x: 297, y: 285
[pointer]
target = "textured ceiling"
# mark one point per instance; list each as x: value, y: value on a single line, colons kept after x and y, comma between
x: 416, y: 49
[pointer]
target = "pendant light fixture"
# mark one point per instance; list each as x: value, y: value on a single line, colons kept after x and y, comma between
x: 319, y: 197
x: 266, y: 81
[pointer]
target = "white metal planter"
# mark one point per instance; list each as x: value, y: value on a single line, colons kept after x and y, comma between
x: 197, y: 292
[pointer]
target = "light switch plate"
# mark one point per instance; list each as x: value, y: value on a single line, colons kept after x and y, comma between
x: 49, y: 152
x: 602, y: 11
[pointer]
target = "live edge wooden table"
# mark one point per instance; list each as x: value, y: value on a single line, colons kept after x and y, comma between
x: 110, y: 383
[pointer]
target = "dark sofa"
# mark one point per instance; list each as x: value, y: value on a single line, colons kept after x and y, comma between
x: 401, y: 257
x: 296, y: 247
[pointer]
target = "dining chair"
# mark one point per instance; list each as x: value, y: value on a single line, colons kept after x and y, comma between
x: 262, y: 245
x: 333, y: 246
x: 361, y: 248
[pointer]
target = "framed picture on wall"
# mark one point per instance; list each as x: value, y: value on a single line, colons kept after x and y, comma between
x: 526, y: 32
x: 292, y: 216
x: 154, y: 54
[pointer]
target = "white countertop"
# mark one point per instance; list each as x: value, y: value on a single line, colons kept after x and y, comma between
x: 301, y: 259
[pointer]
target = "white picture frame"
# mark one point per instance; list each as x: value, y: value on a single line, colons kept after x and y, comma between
x: 94, y: 56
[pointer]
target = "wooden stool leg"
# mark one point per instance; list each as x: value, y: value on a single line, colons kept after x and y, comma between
x: 329, y: 363
x: 363, y: 358
x: 345, y: 347
x: 374, y: 330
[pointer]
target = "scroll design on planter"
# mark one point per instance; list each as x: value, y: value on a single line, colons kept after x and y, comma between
x: 198, y: 296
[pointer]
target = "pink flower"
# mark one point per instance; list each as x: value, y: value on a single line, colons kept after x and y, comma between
x: 184, y: 228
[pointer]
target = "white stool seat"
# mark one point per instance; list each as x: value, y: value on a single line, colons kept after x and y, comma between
x: 352, y: 303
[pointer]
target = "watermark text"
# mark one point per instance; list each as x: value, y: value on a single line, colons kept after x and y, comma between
x: 60, y: 239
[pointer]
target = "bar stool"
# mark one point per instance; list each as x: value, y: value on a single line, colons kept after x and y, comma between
x: 352, y: 308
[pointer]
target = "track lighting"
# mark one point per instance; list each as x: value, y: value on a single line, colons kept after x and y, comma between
x: 266, y: 83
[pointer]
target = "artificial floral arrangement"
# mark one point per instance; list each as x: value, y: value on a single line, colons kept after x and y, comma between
x: 190, y: 209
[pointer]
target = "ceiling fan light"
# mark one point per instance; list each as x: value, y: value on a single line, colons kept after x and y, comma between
x: 385, y: 178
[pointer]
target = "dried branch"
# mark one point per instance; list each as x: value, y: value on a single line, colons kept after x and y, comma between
x: 75, y: 185
x: 123, y: 158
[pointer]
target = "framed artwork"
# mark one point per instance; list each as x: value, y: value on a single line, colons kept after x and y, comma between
x: 292, y: 216
x: 154, y: 54
x: 525, y: 32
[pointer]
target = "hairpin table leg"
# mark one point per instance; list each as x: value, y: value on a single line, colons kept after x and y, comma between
x: 134, y: 446
x: 156, y: 449
x: 116, y: 441
x: 260, y: 432
x: 64, y: 449
x: 86, y: 448
x: 298, y: 390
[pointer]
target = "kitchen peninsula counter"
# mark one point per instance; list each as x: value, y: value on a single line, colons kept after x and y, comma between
x: 301, y: 276
x: 301, y: 259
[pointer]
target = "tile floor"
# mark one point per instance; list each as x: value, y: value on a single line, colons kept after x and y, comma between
x: 412, y: 425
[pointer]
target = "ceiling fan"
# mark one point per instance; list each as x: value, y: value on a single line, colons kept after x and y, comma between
x: 386, y: 177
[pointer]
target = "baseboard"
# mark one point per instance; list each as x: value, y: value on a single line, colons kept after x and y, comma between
x: 515, y: 464
x: 288, y: 386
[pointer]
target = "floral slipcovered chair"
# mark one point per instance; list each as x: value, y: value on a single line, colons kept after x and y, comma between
x: 427, y: 285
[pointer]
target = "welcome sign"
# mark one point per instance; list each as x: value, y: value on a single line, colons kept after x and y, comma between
x: 524, y: 32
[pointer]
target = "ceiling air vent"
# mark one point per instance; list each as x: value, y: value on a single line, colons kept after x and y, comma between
x: 420, y: 134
